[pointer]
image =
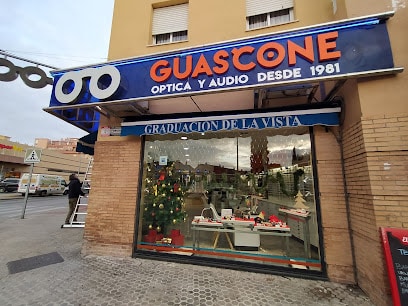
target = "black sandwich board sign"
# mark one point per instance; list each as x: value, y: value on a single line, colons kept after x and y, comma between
x: 395, y: 243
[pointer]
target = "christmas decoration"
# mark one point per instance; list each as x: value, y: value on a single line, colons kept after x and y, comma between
x: 176, y: 237
x: 274, y: 219
x: 152, y: 236
x: 260, y: 218
x: 162, y: 176
x: 300, y: 201
x: 163, y: 200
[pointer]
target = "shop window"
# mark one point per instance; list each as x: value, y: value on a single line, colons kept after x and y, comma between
x: 268, y: 13
x: 170, y: 24
x: 247, y: 197
x: 170, y: 37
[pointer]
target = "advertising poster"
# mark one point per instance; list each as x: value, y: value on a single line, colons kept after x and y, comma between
x: 395, y: 243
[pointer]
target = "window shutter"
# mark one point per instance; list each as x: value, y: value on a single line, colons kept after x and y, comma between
x: 257, y: 7
x: 170, y: 19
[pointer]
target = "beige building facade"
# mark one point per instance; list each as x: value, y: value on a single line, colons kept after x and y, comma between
x: 66, y: 146
x: 350, y: 174
x: 52, y: 162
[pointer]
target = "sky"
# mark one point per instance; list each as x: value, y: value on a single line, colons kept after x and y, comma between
x: 58, y: 33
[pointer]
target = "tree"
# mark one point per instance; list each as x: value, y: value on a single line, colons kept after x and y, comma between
x: 300, y: 201
x: 164, y: 198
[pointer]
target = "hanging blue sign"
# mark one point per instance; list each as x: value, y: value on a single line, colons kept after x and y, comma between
x: 316, y: 53
x: 243, y: 122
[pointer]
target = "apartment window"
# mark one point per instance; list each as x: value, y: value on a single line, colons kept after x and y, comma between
x: 170, y: 24
x: 264, y: 13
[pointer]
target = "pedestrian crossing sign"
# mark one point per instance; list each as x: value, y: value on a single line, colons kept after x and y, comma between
x: 32, y: 156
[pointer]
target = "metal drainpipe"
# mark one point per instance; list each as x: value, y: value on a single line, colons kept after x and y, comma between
x: 346, y: 196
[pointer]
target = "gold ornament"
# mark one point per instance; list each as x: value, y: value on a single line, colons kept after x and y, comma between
x: 154, y: 204
x: 150, y: 226
x: 171, y: 211
x: 163, y: 185
x: 161, y: 206
x: 158, y: 229
x: 174, y: 221
x: 145, y: 208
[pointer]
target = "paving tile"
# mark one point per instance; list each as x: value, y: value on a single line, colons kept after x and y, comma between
x: 102, y: 280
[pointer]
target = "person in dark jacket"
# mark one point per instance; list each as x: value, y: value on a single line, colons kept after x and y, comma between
x: 74, y: 191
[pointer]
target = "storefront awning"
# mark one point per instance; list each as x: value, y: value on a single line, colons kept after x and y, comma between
x: 229, y: 122
x: 86, y: 144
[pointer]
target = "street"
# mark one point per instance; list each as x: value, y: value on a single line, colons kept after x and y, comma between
x: 11, y: 205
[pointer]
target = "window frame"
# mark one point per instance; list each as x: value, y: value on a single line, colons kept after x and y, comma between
x: 270, y: 19
x: 171, y: 38
x: 161, y: 148
x: 170, y: 24
x: 267, y: 13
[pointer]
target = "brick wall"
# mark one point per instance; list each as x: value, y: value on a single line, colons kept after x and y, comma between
x: 376, y: 161
x: 336, y: 238
x: 110, y: 222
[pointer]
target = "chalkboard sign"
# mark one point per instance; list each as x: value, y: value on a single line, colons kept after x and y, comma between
x: 395, y: 242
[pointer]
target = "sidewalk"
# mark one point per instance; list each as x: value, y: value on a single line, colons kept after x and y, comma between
x: 10, y: 195
x: 92, y: 280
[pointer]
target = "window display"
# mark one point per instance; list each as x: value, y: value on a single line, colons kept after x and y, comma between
x: 246, y: 197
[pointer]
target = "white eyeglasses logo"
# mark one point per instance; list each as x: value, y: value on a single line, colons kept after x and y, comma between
x: 94, y: 74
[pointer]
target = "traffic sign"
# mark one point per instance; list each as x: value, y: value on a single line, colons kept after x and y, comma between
x: 32, y: 156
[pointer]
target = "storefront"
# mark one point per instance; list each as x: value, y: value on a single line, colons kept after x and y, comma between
x: 254, y: 178
x: 234, y: 187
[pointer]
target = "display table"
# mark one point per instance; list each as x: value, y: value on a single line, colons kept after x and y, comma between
x: 239, y: 226
x: 303, y: 217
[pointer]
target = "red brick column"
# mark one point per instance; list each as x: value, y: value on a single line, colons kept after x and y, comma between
x: 110, y: 223
x: 376, y: 160
x: 336, y: 237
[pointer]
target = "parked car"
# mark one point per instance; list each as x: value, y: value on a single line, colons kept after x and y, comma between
x: 9, y: 184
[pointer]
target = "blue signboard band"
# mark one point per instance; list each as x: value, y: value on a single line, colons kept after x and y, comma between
x: 243, y: 122
x: 342, y: 49
x: 320, y: 52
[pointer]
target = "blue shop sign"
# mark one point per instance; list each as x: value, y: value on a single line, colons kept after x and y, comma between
x: 335, y: 50
x: 255, y: 121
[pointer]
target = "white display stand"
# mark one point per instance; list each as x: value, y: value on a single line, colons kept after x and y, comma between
x: 247, y: 240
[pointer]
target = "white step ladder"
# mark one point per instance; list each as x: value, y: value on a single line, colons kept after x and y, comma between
x: 81, y: 206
